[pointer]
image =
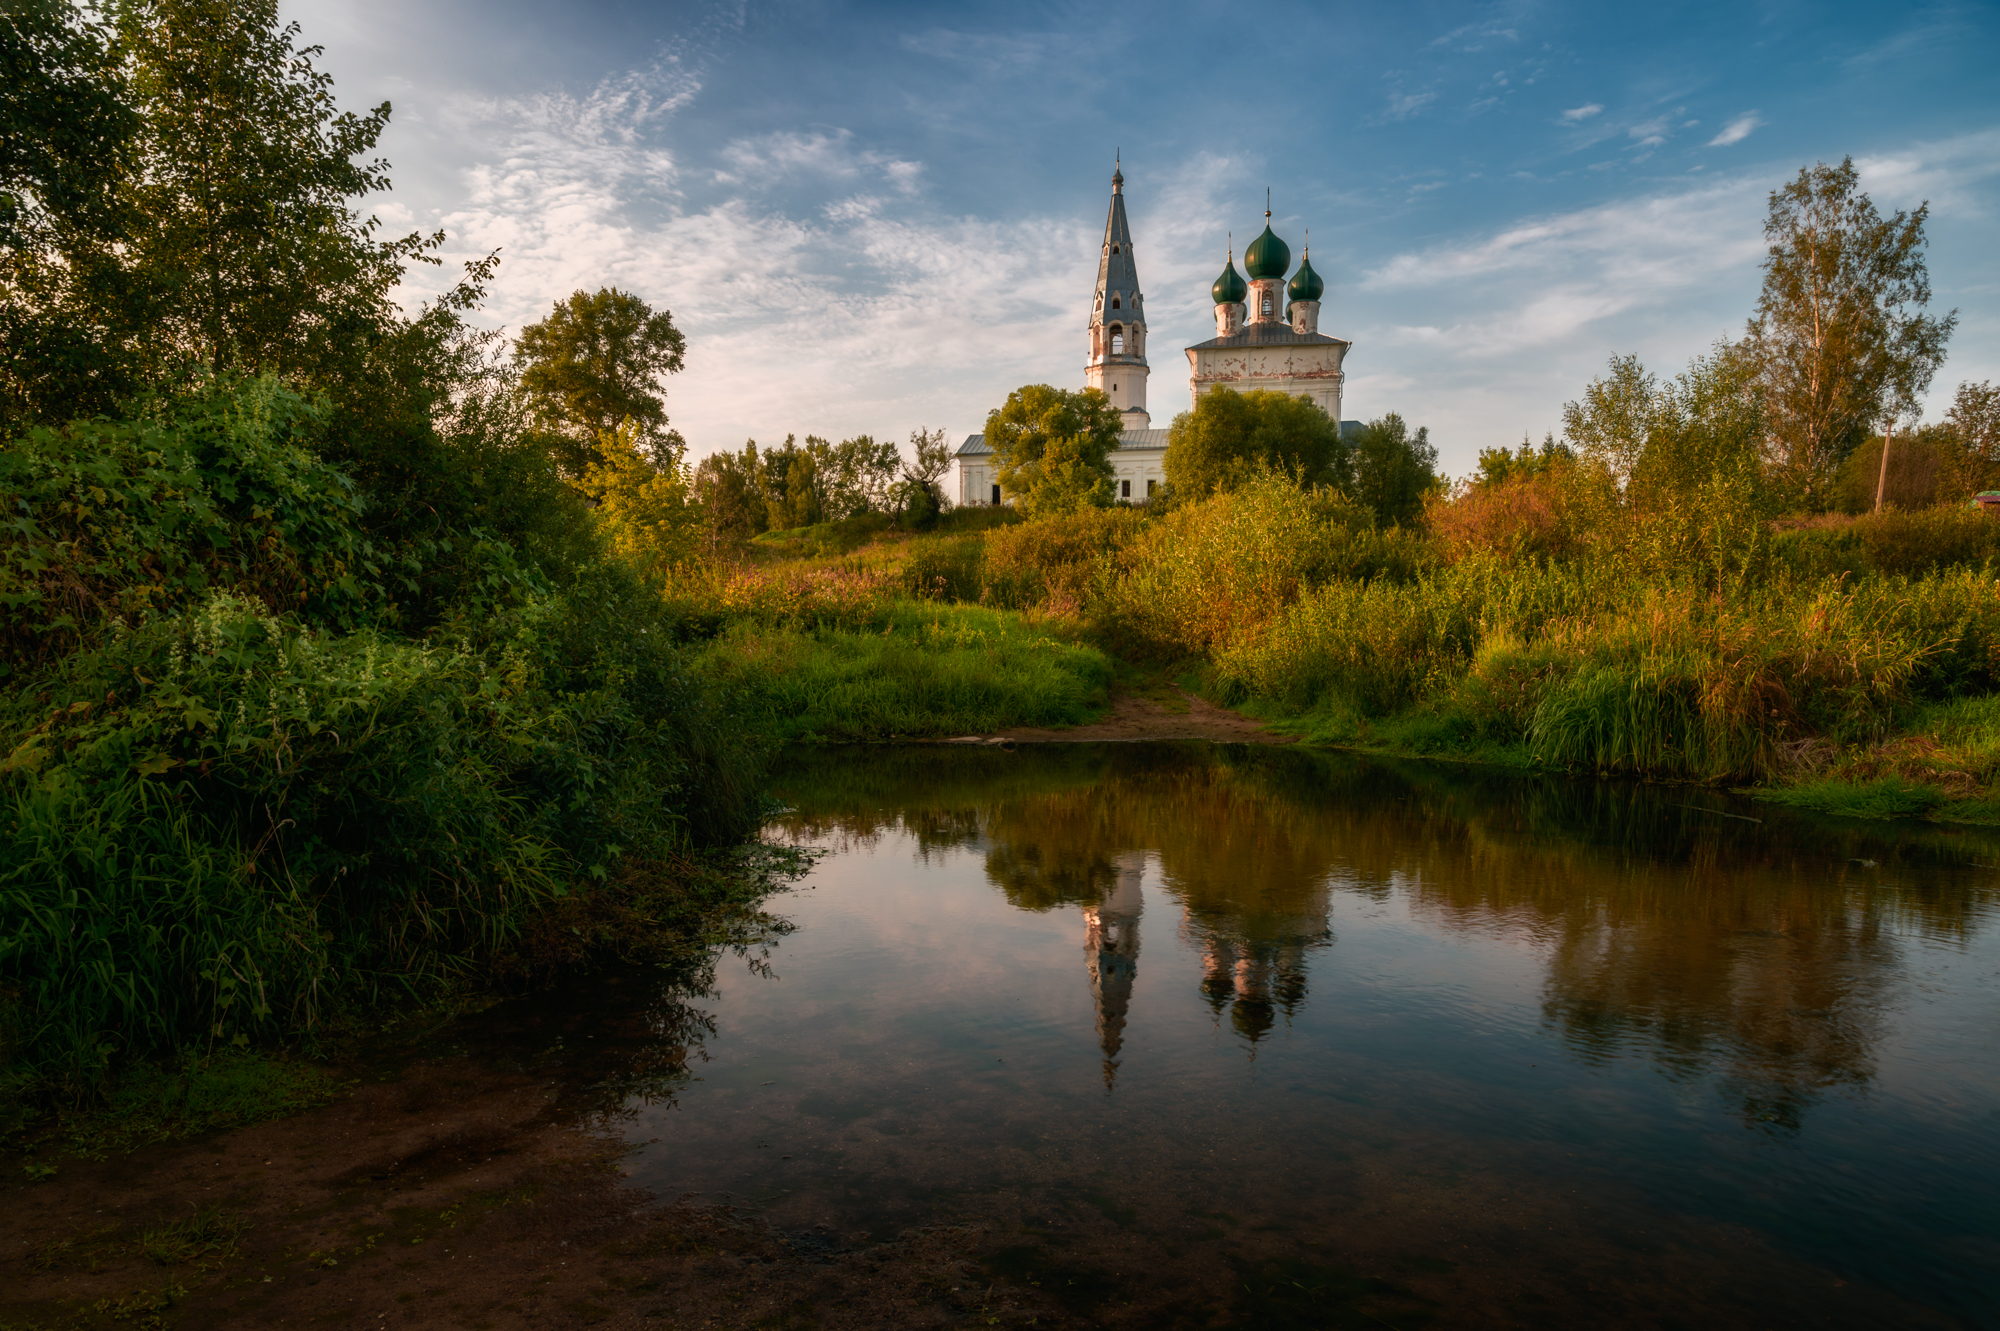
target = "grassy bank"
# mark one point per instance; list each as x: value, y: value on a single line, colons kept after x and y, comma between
x: 1842, y: 664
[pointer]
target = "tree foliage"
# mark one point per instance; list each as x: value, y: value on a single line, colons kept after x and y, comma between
x: 1499, y: 466
x: 919, y: 496
x: 1052, y: 448
x: 1229, y: 437
x: 224, y: 235
x: 1394, y: 470
x: 596, y: 361
x: 798, y: 484
x: 1840, y: 334
x: 66, y: 128
x: 65, y: 125
x: 644, y: 503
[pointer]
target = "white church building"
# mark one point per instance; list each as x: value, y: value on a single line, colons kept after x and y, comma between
x: 1266, y: 336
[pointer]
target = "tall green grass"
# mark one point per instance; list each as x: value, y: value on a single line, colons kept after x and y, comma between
x: 915, y: 671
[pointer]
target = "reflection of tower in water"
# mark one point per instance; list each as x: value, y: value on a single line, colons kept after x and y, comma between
x: 1111, y: 952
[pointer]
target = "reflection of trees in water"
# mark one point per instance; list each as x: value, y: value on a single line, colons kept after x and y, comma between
x: 1253, y: 895
x: 1762, y: 954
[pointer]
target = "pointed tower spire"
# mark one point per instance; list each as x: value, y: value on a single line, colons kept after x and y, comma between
x: 1117, y: 366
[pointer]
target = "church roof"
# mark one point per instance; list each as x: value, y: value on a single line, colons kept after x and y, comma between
x: 975, y: 445
x: 1268, y: 256
x: 1306, y: 284
x: 1271, y: 334
x: 1117, y: 274
x: 1230, y: 288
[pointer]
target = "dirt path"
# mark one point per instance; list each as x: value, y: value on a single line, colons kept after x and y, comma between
x: 1135, y: 716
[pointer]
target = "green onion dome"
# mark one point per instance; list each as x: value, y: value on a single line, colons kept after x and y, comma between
x: 1267, y: 256
x: 1230, y: 288
x: 1306, y: 284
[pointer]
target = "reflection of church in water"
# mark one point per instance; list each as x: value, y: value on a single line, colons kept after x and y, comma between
x: 1254, y: 973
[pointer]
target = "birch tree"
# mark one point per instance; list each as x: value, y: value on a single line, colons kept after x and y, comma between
x: 1841, y: 339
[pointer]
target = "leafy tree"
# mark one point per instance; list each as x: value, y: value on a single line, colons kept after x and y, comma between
x: 65, y: 126
x: 65, y: 135
x: 1840, y: 336
x: 225, y: 235
x: 790, y: 482
x: 251, y: 252
x: 1923, y: 468
x: 1498, y: 466
x: 860, y: 475
x: 594, y: 362
x: 1230, y: 436
x: 1394, y: 470
x: 726, y: 487
x: 1707, y: 424
x: 644, y: 503
x: 1614, y: 421
x: 920, y: 495
x: 66, y: 132
x: 1052, y: 448
x: 1975, y: 419
x: 1971, y: 441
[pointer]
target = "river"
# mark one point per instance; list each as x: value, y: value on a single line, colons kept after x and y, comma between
x: 1297, y: 1039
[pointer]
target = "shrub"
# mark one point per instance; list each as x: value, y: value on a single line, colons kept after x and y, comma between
x: 224, y: 823
x: 1208, y: 573
x: 1058, y: 562
x: 1520, y: 517
x: 1922, y: 541
x: 943, y: 568
x: 108, y: 521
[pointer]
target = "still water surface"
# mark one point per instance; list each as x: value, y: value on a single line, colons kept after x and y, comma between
x: 1404, y: 1044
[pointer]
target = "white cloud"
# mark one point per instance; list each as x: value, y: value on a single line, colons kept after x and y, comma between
x: 847, y: 306
x: 1942, y: 173
x: 774, y: 157
x: 1548, y: 281
x: 1736, y: 130
x: 1475, y: 36
x: 1576, y: 115
x: 1401, y: 106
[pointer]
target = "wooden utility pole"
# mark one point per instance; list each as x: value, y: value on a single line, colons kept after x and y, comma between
x: 1882, y: 480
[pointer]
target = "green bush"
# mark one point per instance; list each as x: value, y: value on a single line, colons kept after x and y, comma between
x: 1210, y: 574
x: 224, y: 824
x: 1061, y: 562
x: 109, y: 521
x: 1919, y: 541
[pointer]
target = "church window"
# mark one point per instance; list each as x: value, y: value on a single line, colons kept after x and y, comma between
x: 996, y: 496
x: 1114, y: 249
x: 1152, y: 488
x: 1267, y: 304
x: 1124, y: 489
x: 1114, y: 302
x: 1117, y: 343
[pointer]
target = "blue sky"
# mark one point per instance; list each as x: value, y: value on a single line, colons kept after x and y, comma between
x: 877, y: 217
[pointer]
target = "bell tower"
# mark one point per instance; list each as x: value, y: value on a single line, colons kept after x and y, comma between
x: 1117, y: 365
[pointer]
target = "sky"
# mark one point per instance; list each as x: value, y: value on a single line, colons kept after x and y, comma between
x: 876, y: 218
